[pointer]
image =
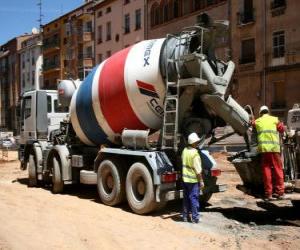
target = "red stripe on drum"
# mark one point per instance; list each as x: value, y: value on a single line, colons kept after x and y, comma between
x: 113, y: 97
x: 146, y: 86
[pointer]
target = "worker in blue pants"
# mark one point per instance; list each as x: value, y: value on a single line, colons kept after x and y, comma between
x: 191, y: 176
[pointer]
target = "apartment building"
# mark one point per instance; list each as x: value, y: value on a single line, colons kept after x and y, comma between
x: 31, y: 61
x: 10, y: 82
x: 266, y: 48
x: 68, y: 45
x: 118, y: 24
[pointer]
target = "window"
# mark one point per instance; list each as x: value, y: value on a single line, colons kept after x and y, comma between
x: 108, y: 9
x: 108, y: 54
x: 32, y: 58
x: 210, y: 2
x: 138, y: 19
x: 278, y: 44
x: 186, y: 7
x: 176, y: 8
x: 248, y: 51
x: 196, y: 5
x: 89, y: 52
x: 88, y: 26
x: 100, y: 34
x: 247, y: 14
x: 108, y: 31
x: 49, y: 104
x: 33, y: 77
x: 27, y: 107
x: 59, y: 108
x: 154, y: 14
x: 99, y: 14
x: 126, y: 1
x: 28, y: 77
x: 127, y: 23
x: 100, y: 58
x: 278, y: 4
x: 166, y: 12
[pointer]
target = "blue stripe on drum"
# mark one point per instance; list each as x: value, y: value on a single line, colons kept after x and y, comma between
x: 85, y: 112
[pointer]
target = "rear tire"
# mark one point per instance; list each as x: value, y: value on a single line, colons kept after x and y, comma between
x: 139, y: 189
x: 111, y: 183
x: 32, y: 178
x: 57, y: 182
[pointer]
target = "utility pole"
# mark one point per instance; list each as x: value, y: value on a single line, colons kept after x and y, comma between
x: 40, y: 14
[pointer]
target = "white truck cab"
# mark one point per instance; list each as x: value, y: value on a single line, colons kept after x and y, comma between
x: 39, y: 117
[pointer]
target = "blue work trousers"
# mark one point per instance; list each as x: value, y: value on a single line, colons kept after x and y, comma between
x: 191, y: 200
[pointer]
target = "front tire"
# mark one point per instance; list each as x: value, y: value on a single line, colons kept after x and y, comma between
x: 57, y: 182
x: 111, y: 183
x: 139, y: 189
x: 32, y: 177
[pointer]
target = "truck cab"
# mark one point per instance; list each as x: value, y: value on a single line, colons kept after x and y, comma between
x: 40, y: 115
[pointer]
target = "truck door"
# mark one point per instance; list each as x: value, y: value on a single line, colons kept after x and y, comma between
x: 28, y: 124
x: 55, y: 112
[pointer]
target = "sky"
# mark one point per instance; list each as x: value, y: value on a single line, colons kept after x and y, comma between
x: 20, y: 16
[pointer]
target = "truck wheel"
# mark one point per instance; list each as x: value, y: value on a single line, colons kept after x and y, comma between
x: 139, y: 189
x: 296, y: 204
x: 32, y: 178
x: 57, y: 182
x: 110, y: 183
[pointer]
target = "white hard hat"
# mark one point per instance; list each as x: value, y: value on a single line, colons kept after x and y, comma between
x: 263, y: 108
x: 193, y: 137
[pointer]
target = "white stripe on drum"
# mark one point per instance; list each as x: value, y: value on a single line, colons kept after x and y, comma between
x: 96, y: 105
x: 75, y: 122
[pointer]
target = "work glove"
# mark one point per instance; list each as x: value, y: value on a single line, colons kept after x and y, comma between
x: 201, y: 185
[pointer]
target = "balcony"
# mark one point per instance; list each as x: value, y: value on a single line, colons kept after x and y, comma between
x: 51, y: 66
x: 85, y: 34
x: 278, y: 7
x: 4, y: 69
x: 51, y: 45
x: 85, y: 60
x: 246, y: 17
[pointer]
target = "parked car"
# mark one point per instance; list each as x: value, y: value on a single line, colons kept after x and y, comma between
x: 7, y: 143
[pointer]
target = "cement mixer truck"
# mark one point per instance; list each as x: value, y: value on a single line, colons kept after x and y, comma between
x: 173, y: 85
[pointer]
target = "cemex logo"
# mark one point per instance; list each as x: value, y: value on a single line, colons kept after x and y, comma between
x: 147, y: 89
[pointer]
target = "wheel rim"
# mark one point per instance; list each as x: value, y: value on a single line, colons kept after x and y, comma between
x: 138, y: 187
x: 107, y: 180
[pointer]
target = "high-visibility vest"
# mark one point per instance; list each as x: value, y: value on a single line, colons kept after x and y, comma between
x: 188, y: 172
x: 267, y: 134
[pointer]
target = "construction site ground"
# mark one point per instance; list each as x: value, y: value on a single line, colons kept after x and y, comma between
x: 34, y: 218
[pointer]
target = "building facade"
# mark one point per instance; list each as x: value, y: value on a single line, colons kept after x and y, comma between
x: 68, y: 46
x: 10, y: 82
x: 169, y: 17
x: 118, y: 24
x: 31, y: 60
x: 266, y: 48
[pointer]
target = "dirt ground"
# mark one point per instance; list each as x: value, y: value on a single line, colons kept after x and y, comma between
x: 34, y: 218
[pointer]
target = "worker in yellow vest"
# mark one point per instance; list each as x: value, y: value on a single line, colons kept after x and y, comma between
x: 268, y: 128
x: 191, y: 176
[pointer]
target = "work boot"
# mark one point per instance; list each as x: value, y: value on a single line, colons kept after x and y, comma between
x: 269, y: 198
x: 279, y: 196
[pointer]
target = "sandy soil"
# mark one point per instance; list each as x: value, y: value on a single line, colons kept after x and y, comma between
x: 34, y: 218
